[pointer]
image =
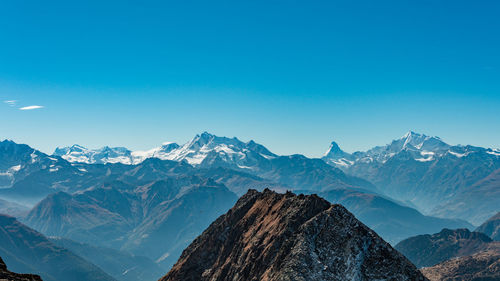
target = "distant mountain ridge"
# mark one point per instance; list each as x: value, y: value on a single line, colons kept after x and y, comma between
x: 422, y: 148
x: 294, y: 172
x: 429, y: 174
x: 208, y: 153
x: 20, y: 160
x: 203, y: 149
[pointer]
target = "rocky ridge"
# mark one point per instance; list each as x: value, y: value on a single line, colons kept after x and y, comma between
x: 269, y: 236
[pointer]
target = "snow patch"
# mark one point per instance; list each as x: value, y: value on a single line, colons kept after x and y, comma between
x: 15, y: 168
x: 456, y: 154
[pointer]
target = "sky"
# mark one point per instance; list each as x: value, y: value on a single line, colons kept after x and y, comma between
x: 291, y: 75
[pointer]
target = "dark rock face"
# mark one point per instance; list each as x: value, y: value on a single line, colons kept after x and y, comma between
x: 5, y: 274
x: 270, y: 236
x: 491, y: 227
x: 429, y: 250
x: 483, y: 266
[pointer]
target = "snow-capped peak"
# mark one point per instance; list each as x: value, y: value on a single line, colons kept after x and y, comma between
x: 334, y: 151
x: 415, y: 144
x: 106, y: 154
x: 203, y: 147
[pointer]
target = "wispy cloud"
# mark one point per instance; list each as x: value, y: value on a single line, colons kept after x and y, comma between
x: 11, y: 102
x: 31, y: 107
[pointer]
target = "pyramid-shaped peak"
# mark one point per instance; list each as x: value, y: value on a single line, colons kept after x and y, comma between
x: 272, y: 236
x: 335, y: 152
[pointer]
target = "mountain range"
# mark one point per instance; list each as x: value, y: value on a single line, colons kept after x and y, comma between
x: 157, y: 220
x: 203, y: 150
x: 282, y: 173
x: 422, y: 171
x: 429, y: 174
x: 295, y: 172
x: 144, y: 208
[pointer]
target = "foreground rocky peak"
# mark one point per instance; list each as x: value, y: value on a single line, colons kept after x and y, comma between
x: 271, y: 236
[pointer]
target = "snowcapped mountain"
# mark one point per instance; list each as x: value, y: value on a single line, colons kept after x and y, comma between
x: 422, y: 170
x: 209, y: 151
x: 19, y: 160
x: 420, y: 147
x: 78, y: 153
x: 202, y: 150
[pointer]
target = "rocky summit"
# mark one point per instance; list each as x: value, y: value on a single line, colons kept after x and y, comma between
x: 269, y: 236
x: 5, y: 274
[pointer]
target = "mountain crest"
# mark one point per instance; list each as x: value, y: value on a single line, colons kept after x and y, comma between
x: 271, y: 236
x: 335, y: 151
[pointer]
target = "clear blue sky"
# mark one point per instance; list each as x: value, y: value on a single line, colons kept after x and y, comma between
x: 292, y: 75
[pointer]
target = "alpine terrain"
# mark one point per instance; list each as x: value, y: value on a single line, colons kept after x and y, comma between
x: 453, y: 181
x: 271, y: 236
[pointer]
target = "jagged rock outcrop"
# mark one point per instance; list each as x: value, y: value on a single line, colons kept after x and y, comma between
x: 429, y: 250
x: 5, y: 274
x: 269, y: 236
x: 483, y: 266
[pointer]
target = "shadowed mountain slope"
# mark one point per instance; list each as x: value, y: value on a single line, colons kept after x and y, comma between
x: 491, y: 227
x: 26, y: 250
x: 390, y: 220
x: 429, y: 250
x: 157, y: 220
x: 120, y: 265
